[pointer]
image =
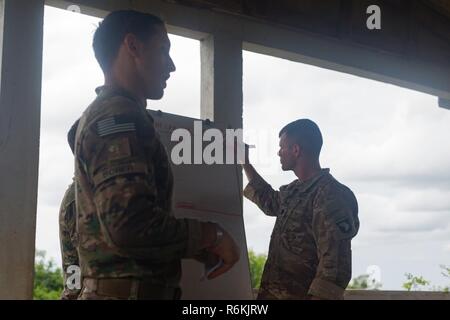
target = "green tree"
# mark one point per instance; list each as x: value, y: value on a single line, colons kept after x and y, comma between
x: 362, y: 282
x: 446, y: 273
x: 48, y: 279
x: 359, y: 283
x: 417, y: 283
x: 257, y: 262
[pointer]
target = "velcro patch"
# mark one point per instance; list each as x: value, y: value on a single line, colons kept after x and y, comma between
x: 119, y: 170
x: 115, y: 124
x: 344, y: 225
x: 119, y: 149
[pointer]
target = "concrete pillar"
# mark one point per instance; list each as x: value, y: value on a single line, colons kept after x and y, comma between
x: 221, y: 93
x: 444, y: 103
x: 21, y: 36
x: 221, y: 79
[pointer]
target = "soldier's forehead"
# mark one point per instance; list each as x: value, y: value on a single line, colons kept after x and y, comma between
x: 284, y: 138
x: 162, y: 36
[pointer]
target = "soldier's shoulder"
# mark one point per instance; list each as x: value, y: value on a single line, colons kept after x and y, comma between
x: 112, y: 106
x: 331, y: 184
x: 113, y: 112
x: 331, y: 188
x: 69, y: 195
x: 289, y: 186
x: 67, y: 201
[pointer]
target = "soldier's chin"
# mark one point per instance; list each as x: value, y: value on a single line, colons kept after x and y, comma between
x: 156, y: 94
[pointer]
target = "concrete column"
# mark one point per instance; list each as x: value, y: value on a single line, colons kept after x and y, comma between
x: 221, y: 93
x: 444, y: 103
x: 221, y: 79
x: 21, y: 36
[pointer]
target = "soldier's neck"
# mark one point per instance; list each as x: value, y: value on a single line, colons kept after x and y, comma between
x: 129, y: 88
x: 306, y: 171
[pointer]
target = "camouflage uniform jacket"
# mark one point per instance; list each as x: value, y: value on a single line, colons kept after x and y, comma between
x: 310, y: 250
x: 67, y: 237
x: 124, y: 189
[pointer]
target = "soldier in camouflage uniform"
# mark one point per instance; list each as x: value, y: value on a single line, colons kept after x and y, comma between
x: 316, y: 218
x: 67, y: 235
x: 67, y: 239
x: 130, y: 246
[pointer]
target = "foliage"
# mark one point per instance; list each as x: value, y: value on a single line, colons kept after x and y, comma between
x: 414, y: 283
x: 48, y: 279
x: 363, y: 282
x: 257, y: 262
x: 417, y: 283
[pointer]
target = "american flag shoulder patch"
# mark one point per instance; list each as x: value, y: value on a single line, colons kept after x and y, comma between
x: 115, y: 124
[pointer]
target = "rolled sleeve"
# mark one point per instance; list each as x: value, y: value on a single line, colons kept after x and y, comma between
x: 261, y: 193
x: 335, y: 223
x: 254, y: 186
x: 326, y: 290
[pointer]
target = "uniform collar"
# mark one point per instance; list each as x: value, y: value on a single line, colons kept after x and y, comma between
x: 305, y: 185
x: 107, y: 91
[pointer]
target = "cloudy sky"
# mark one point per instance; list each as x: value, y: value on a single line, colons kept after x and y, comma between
x: 388, y: 144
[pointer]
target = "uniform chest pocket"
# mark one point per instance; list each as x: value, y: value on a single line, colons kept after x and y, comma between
x: 296, y: 232
x: 291, y: 239
x: 292, y: 212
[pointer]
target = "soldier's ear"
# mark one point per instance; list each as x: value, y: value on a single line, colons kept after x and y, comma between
x: 297, y: 150
x: 132, y: 45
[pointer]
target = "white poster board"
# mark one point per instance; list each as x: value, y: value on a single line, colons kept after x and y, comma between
x: 207, y: 193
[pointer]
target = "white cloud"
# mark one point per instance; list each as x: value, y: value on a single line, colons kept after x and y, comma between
x: 47, y: 234
x: 388, y: 144
x: 447, y: 248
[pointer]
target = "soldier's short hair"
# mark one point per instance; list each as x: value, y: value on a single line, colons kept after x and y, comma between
x: 306, y: 134
x: 71, y: 135
x: 112, y: 30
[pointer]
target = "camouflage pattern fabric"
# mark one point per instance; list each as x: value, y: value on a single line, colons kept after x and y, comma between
x: 310, y: 247
x: 124, y: 190
x: 68, y: 240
